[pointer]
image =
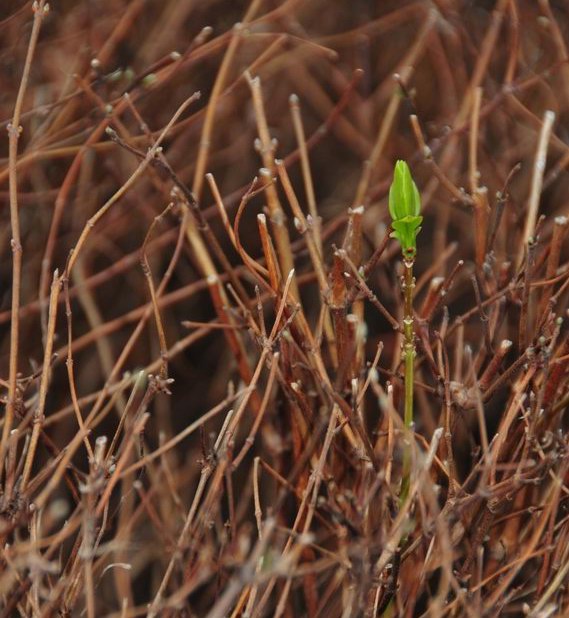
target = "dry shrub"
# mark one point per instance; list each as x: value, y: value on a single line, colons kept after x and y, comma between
x: 202, y: 310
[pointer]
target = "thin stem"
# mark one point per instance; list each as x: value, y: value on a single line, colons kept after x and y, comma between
x: 14, y: 132
x: 537, y: 180
x: 44, y: 383
x: 409, y: 355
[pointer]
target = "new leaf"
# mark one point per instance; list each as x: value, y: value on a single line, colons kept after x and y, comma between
x: 404, y: 208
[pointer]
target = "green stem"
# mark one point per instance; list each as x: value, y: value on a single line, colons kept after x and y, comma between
x: 409, y: 355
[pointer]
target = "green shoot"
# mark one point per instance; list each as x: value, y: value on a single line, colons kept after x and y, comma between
x: 404, y: 208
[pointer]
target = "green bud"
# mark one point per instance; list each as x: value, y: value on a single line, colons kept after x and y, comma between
x: 404, y: 208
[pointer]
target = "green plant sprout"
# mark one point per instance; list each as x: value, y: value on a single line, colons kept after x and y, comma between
x: 404, y: 208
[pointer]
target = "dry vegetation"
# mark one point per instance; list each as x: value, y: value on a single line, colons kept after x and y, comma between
x: 201, y: 310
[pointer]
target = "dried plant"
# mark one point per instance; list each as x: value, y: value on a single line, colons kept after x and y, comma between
x: 218, y: 399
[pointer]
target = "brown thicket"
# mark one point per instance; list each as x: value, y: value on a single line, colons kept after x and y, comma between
x: 201, y: 308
